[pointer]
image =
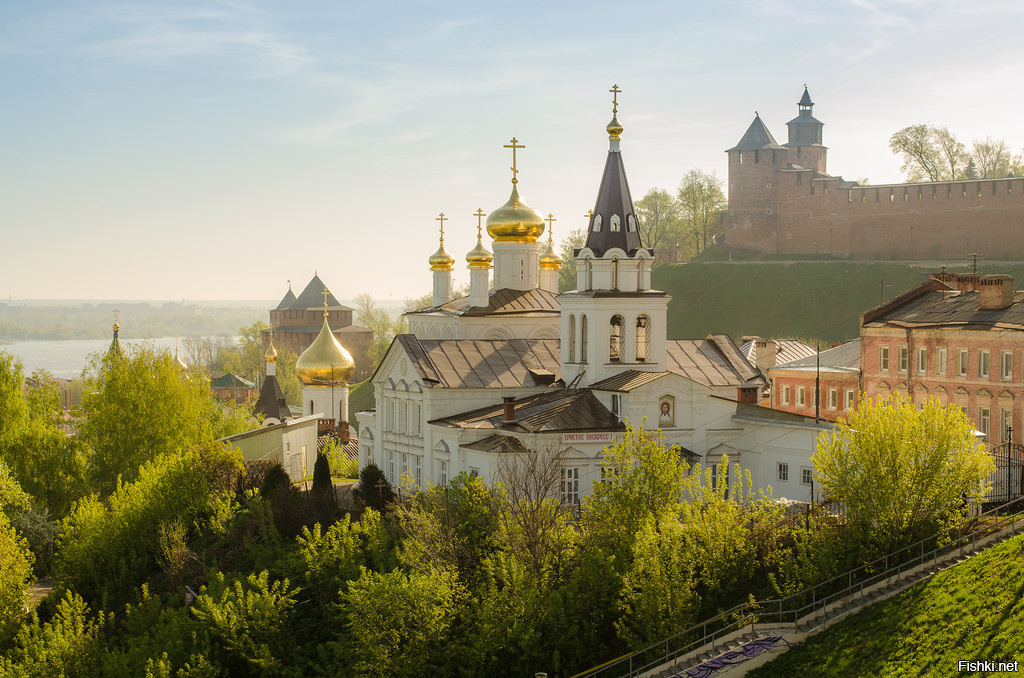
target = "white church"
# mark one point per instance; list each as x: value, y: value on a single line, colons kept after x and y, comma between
x: 516, y: 367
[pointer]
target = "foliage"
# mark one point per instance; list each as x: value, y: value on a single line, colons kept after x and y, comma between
x: 934, y: 154
x: 373, y: 489
x: 992, y: 159
x: 701, y: 201
x: 15, y: 576
x: 385, y: 328
x: 567, y: 274
x: 141, y: 407
x: 899, y: 469
x: 973, y: 610
x: 246, y: 359
x: 658, y: 214
x: 69, y: 644
x: 40, y: 531
x: 404, y: 637
x: 919, y: 152
x: 247, y: 621
x: 108, y: 549
x: 322, y: 475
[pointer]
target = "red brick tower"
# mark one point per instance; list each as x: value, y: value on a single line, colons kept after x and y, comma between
x: 752, y: 218
x: 805, y: 137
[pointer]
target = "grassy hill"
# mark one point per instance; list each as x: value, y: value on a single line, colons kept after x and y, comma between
x: 974, y: 611
x: 821, y: 300
x: 360, y: 397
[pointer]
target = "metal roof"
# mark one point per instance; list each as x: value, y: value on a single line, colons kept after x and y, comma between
x: 786, y: 350
x: 756, y: 137
x: 502, y: 301
x: 613, y: 199
x: 937, y: 308
x: 844, y: 356
x: 626, y: 381
x: 480, y: 363
x: 561, y: 410
x: 271, y: 402
x: 712, y: 361
x: 287, y: 300
x: 313, y: 297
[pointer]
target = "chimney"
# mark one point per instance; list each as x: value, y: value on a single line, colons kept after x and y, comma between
x: 764, y: 354
x: 996, y: 291
x: 510, y: 411
x: 344, y: 432
x: 748, y: 394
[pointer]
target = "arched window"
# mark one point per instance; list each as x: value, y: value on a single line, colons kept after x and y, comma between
x: 615, y: 339
x: 572, y: 338
x: 597, y: 223
x: 615, y: 223
x: 615, y: 273
x: 583, y: 338
x: 643, y: 339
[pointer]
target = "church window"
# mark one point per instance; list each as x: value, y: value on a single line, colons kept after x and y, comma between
x: 583, y: 338
x: 405, y: 464
x: 615, y: 223
x: 615, y: 273
x: 643, y: 339
x: 570, y: 490
x: 631, y: 223
x: 615, y: 339
x: 522, y: 270
x: 572, y: 338
x: 590, y: 273
x: 443, y: 473
x: 597, y: 223
x: 419, y: 471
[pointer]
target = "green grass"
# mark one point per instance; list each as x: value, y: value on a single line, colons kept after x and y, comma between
x: 360, y: 397
x: 813, y: 299
x: 974, y: 611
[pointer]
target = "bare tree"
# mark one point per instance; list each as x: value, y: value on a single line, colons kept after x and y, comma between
x: 991, y: 158
x: 954, y: 154
x: 533, y: 516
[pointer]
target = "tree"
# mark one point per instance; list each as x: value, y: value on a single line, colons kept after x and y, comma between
x: 922, y: 160
x: 140, y: 407
x: 953, y: 153
x: 900, y: 470
x: 701, y: 202
x: 567, y: 274
x: 373, y: 489
x: 991, y: 158
x: 385, y: 328
x: 658, y: 216
x: 15, y: 558
x: 245, y: 359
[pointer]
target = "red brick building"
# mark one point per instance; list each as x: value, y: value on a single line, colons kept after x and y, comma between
x: 959, y: 338
x: 781, y: 200
x: 834, y: 374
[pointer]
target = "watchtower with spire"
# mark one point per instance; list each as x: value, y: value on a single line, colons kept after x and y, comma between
x: 805, y: 136
x: 613, y: 321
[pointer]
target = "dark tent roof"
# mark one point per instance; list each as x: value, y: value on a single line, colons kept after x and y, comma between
x: 287, y: 300
x: 756, y: 137
x: 613, y: 199
x: 313, y: 296
x: 271, y: 402
x: 805, y: 100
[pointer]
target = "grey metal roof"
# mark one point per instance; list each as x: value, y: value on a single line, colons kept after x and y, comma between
x: 498, y: 443
x: 805, y: 100
x: 756, y: 137
x: 712, y: 361
x: 756, y: 413
x: 786, y: 350
x: 845, y: 356
x: 287, y: 300
x: 479, y: 363
x: 271, y: 402
x: 561, y: 410
x: 626, y: 381
x: 229, y: 380
x: 935, y: 308
x: 502, y: 301
x: 313, y: 297
x: 613, y: 198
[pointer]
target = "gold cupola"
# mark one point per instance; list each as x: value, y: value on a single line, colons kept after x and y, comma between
x: 271, y: 355
x: 550, y: 261
x: 441, y: 260
x: 515, y: 221
x: 479, y: 257
x: 325, y: 362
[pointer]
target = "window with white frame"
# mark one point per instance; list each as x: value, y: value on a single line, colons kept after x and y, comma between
x: 941, y: 356
x: 961, y: 362
x: 643, y: 339
x: 922, y: 360
x: 1006, y: 426
x: 785, y: 395
x: 833, y: 398
x: 405, y: 464
x: 572, y: 338
x: 615, y: 404
x: 983, y: 417
x: 883, y: 358
x: 806, y: 475
x: 570, y: 489
x: 849, y: 399
x: 801, y: 396
x: 419, y: 470
x: 419, y: 419
x: 984, y: 363
x: 782, y: 471
x: 1006, y: 365
x: 391, y: 467
x: 903, y: 359
x: 443, y: 472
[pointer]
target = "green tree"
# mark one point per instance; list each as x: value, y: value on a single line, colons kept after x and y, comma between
x: 140, y: 407
x: 69, y: 644
x: 245, y: 358
x: 901, y: 470
x: 658, y: 214
x: 953, y: 153
x: 385, y: 328
x: 567, y: 274
x: 918, y: 148
x: 701, y: 202
x: 373, y: 489
x: 15, y: 558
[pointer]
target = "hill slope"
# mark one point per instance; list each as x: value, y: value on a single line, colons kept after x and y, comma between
x: 973, y: 612
x: 821, y: 300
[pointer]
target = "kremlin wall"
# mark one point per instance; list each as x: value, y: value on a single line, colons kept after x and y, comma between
x: 782, y: 201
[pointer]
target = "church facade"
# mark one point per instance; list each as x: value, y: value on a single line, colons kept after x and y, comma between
x: 783, y: 201
x: 516, y: 368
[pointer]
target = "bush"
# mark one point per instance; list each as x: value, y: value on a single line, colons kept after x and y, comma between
x: 374, y: 490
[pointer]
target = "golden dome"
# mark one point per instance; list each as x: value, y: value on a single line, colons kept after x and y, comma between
x: 271, y: 355
x: 515, y: 221
x: 441, y: 260
x: 325, y: 362
x: 550, y: 261
x: 614, y: 128
x: 479, y: 257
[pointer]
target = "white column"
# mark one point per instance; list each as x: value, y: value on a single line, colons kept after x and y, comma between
x: 478, y: 286
x: 549, y: 280
x: 442, y: 286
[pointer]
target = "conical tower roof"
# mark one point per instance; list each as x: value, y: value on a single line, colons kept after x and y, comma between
x: 805, y: 100
x: 288, y: 299
x: 757, y: 137
x: 115, y: 350
x: 313, y: 296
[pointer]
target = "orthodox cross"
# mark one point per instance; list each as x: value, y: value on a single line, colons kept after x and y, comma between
x: 615, y: 98
x: 551, y: 219
x: 479, y: 214
x: 271, y: 332
x: 514, y: 145
x: 589, y: 215
x: 442, y: 218
x: 325, y: 293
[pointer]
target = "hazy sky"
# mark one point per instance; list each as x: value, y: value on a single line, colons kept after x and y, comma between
x: 214, y: 150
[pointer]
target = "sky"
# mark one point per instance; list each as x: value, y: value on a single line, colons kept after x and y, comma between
x: 216, y: 150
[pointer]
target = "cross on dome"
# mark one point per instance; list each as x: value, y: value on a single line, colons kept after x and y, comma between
x: 514, y: 145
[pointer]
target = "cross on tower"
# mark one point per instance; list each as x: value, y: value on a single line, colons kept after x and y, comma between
x: 325, y: 293
x: 514, y: 145
x: 442, y: 218
x: 479, y: 214
x: 551, y: 219
x: 589, y: 215
x: 615, y: 98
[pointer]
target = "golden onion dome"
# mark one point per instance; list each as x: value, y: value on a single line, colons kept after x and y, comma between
x: 515, y: 221
x: 271, y: 355
x: 479, y: 257
x: 614, y: 128
x: 179, y: 363
x: 550, y: 261
x: 441, y: 260
x: 325, y: 362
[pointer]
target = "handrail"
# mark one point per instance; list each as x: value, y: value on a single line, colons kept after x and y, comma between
x: 750, y: 612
